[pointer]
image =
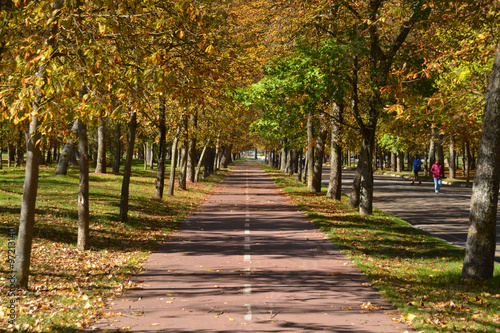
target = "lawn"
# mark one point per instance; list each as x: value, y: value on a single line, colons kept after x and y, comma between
x: 68, y: 288
x: 418, y: 273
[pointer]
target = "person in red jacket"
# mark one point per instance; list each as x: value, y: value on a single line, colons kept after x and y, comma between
x: 437, y: 172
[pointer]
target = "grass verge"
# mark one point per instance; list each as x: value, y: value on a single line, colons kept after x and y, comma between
x: 418, y: 273
x: 68, y: 288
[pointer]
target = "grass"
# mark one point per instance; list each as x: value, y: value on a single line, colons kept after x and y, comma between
x: 68, y: 288
x: 418, y: 273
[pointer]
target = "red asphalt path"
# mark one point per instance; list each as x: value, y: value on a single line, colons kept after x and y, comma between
x: 248, y: 260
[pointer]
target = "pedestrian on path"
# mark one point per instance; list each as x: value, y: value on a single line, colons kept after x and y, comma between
x: 437, y: 172
x: 416, y: 168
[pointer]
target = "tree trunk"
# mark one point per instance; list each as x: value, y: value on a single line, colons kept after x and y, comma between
x: 300, y: 166
x: 466, y: 161
x: 283, y: 159
x: 80, y: 131
x: 27, y: 218
x: 10, y: 154
x: 355, y: 189
x: 183, y: 155
x: 451, y: 160
x: 432, y: 148
x: 19, y: 150
x: 208, y: 162
x: 310, y: 151
x: 440, y: 152
x: 305, y: 176
x: 200, y: 162
x: 335, y: 183
x: 319, y: 157
x: 101, y: 146
x: 66, y: 154
x: 481, y: 238
x: 366, y: 172
x: 217, y: 153
x: 291, y: 161
x: 148, y: 155
x: 173, y: 163
x: 399, y: 162
x: 118, y: 149
x: 128, y: 168
x: 160, y: 172
x: 394, y: 163
x: 226, y: 155
x: 191, y: 162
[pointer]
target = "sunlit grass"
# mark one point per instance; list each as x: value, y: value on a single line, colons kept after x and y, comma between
x: 68, y: 288
x: 420, y: 274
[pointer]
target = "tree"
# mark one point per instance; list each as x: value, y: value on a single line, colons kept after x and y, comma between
x: 27, y: 218
x: 127, y: 172
x: 80, y: 131
x: 335, y: 182
x: 101, y: 146
x: 481, y: 238
x: 160, y: 172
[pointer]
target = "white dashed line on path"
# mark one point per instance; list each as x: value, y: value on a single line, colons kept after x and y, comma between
x: 247, y: 290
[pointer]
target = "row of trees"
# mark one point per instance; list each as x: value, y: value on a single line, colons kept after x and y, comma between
x: 370, y: 72
x: 164, y: 69
x: 394, y: 75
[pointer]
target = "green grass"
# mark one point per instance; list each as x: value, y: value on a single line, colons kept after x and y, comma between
x: 68, y: 288
x: 418, y: 273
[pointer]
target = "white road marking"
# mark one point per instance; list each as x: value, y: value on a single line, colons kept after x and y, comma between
x: 247, y: 287
x: 247, y: 290
x: 248, y: 316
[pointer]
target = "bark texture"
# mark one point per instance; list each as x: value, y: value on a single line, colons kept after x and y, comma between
x: 335, y: 182
x: 319, y: 157
x: 160, y: 172
x: 67, y: 154
x: 451, y: 159
x: 80, y: 131
x: 101, y: 146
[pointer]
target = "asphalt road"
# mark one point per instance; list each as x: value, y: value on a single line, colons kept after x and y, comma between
x: 445, y: 215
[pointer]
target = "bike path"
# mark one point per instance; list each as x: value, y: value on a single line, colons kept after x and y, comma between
x: 249, y: 261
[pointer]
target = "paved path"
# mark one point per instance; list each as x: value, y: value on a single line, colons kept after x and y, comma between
x: 445, y: 215
x: 248, y: 260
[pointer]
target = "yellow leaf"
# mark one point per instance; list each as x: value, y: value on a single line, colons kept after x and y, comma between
x: 210, y: 49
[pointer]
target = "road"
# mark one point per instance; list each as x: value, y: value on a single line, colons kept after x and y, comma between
x: 445, y: 215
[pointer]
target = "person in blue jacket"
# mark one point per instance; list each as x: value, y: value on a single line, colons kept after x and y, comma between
x: 417, y: 163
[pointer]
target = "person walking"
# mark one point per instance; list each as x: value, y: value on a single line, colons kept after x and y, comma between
x: 437, y: 172
x: 416, y: 168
